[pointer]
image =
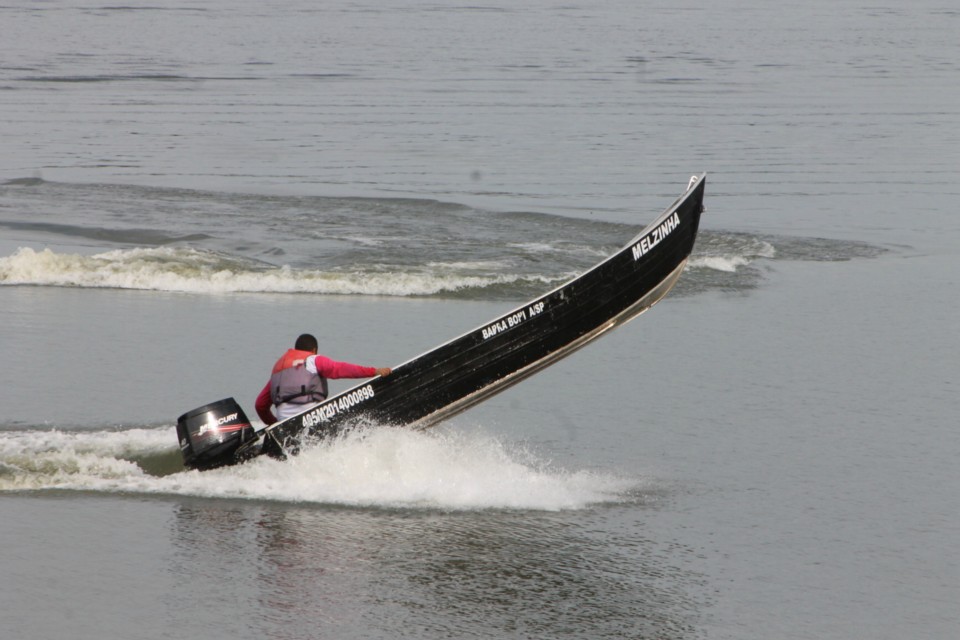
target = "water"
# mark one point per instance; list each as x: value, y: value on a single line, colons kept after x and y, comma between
x: 769, y: 453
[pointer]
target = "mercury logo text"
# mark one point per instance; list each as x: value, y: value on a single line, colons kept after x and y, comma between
x: 214, y: 425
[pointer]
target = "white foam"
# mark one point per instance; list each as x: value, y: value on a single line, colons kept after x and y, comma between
x: 62, y: 459
x: 382, y: 466
x: 194, y: 271
x: 730, y: 262
x: 718, y: 263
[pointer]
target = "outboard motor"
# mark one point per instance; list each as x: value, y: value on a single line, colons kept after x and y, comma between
x: 211, y: 435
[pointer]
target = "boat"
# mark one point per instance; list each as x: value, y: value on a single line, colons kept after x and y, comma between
x: 458, y: 374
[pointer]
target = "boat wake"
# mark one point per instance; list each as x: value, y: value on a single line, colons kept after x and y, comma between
x: 153, y: 239
x: 191, y: 270
x: 378, y: 467
x: 721, y: 260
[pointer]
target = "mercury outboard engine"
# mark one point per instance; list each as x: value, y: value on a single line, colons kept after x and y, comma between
x: 211, y: 435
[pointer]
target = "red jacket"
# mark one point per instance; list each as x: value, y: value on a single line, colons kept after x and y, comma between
x: 326, y: 368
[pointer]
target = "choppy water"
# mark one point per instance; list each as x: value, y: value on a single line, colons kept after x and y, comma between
x: 769, y: 453
x: 170, y: 240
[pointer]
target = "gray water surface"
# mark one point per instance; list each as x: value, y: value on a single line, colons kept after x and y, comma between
x: 768, y: 453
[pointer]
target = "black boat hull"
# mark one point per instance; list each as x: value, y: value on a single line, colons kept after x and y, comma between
x: 458, y: 374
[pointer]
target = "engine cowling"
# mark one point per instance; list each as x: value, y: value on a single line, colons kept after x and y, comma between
x: 211, y: 435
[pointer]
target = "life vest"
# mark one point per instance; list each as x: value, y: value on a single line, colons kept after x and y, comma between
x: 294, y: 384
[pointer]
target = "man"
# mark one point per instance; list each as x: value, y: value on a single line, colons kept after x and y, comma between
x: 299, y: 380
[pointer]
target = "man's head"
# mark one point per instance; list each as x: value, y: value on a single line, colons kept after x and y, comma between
x: 306, y: 342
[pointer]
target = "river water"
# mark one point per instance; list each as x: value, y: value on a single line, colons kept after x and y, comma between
x: 769, y: 453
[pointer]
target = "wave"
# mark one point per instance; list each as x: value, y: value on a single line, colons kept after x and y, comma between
x: 202, y: 271
x: 381, y: 467
x: 728, y: 252
x: 721, y: 260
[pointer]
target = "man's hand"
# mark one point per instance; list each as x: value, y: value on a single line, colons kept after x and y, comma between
x: 384, y: 371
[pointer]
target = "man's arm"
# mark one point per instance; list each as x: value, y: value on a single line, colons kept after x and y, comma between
x: 332, y: 369
x: 263, y: 405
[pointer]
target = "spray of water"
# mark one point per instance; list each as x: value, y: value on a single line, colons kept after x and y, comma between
x: 376, y: 467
